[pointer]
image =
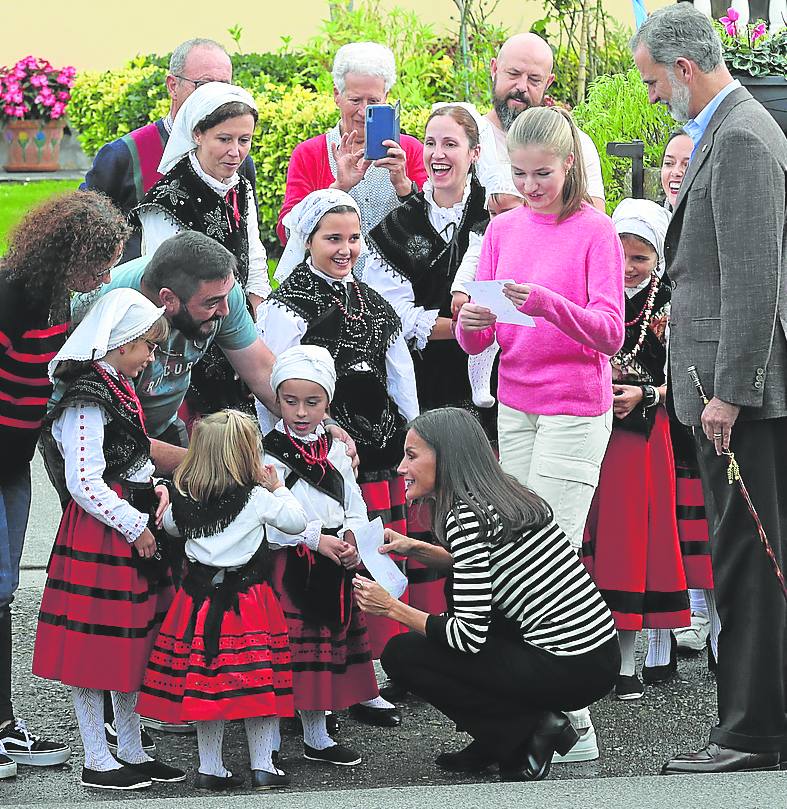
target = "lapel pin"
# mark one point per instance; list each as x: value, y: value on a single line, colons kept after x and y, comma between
x: 704, y: 147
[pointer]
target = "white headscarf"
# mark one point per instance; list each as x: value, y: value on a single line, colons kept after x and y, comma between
x: 201, y: 103
x: 645, y: 219
x: 314, y: 363
x: 302, y: 220
x: 117, y: 318
x: 502, y: 182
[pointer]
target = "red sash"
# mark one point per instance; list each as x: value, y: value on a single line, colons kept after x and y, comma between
x: 146, y: 146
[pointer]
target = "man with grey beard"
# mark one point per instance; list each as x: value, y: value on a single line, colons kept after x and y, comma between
x: 521, y: 74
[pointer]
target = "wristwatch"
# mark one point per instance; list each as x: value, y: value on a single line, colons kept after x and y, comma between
x: 650, y: 396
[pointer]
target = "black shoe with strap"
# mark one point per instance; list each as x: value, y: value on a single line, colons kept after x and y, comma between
x: 218, y: 783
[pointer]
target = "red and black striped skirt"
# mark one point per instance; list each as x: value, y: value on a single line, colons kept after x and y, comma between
x: 250, y: 676
x: 99, y: 615
x: 631, y: 546
x: 426, y: 586
x: 331, y: 668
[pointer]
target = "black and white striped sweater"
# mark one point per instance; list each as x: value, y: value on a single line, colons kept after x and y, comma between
x: 537, y: 581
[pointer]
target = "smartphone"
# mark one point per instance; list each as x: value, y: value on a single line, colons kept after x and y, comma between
x: 382, y: 123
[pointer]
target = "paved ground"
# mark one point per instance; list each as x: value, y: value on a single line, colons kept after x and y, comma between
x: 635, y: 738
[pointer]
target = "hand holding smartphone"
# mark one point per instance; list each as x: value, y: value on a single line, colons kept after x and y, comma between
x: 382, y: 123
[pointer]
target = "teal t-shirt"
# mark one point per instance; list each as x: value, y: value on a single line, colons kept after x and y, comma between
x: 163, y: 384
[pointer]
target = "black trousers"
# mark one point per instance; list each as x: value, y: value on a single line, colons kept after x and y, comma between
x: 751, y: 676
x: 499, y: 694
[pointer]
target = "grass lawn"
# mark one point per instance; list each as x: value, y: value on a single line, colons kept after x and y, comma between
x: 16, y: 199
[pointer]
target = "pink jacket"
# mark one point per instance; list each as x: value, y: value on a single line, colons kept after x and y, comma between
x: 575, y: 271
x: 309, y: 170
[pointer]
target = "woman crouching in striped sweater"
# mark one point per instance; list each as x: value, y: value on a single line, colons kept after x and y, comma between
x: 529, y: 635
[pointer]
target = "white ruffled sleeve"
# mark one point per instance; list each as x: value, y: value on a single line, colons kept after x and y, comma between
x: 401, y: 378
x: 417, y: 322
x: 469, y: 264
x: 258, y: 282
x: 80, y: 432
x: 355, y: 513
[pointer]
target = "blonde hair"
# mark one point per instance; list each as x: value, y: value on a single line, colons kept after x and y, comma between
x: 225, y: 452
x: 553, y: 129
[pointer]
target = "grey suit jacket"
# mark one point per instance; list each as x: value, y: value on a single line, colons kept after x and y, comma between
x: 725, y: 252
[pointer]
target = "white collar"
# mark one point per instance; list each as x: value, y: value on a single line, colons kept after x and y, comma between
x: 632, y: 291
x: 456, y: 208
x: 318, y: 431
x: 348, y: 279
x: 221, y: 187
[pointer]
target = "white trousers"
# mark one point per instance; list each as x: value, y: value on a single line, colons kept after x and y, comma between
x: 559, y: 458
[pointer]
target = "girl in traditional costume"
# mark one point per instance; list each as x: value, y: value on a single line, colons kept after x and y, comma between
x: 222, y: 652
x: 321, y: 303
x: 202, y: 190
x: 631, y: 542
x: 331, y: 658
x: 107, y: 590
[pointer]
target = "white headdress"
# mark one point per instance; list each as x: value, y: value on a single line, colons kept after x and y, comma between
x: 302, y: 220
x: 201, y: 103
x: 117, y: 318
x: 314, y: 363
x: 645, y: 219
x: 502, y: 182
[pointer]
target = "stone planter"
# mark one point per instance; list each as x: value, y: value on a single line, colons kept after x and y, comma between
x: 33, y: 145
x: 771, y: 92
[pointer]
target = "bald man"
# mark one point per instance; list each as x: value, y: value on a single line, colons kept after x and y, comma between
x: 521, y: 74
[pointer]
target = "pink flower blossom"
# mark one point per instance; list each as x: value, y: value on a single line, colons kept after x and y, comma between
x: 729, y: 22
x: 757, y: 32
x: 39, y: 80
x: 63, y: 95
x: 58, y: 108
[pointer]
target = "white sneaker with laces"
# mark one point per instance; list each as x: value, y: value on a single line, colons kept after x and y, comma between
x: 586, y: 749
x: 7, y: 764
x: 27, y: 748
x: 693, y: 638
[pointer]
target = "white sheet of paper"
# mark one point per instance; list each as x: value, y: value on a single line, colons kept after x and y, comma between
x: 380, y: 566
x: 490, y: 294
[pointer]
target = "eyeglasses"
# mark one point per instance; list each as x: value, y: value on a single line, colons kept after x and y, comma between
x: 151, y: 346
x: 196, y: 82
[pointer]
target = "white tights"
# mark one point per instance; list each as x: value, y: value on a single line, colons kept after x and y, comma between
x: 262, y: 733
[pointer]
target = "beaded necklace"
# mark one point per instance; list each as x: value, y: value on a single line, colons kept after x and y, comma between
x: 623, y: 360
x: 345, y: 312
x: 318, y: 457
x: 127, y: 398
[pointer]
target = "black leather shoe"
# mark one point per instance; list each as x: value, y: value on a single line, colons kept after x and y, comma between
x: 381, y: 717
x: 262, y: 779
x: 472, y: 758
x: 715, y: 758
x: 554, y: 732
x: 392, y: 691
x: 783, y: 761
x: 215, y: 783
x: 660, y: 674
x: 156, y: 771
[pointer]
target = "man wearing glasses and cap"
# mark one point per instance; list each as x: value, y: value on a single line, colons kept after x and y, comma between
x: 127, y: 167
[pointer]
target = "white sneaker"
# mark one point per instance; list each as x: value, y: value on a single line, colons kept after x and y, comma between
x: 586, y: 749
x: 693, y: 638
x: 7, y: 764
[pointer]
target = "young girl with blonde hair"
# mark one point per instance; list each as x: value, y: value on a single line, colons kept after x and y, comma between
x: 222, y: 652
x: 554, y: 380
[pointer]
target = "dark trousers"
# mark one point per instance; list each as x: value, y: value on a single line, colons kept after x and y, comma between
x: 751, y: 676
x: 499, y: 694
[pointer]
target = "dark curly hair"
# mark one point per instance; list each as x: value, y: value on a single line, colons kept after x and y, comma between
x: 71, y: 234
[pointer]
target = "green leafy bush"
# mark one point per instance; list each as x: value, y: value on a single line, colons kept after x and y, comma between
x: 617, y: 109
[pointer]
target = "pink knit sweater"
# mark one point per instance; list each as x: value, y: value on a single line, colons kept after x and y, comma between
x: 575, y: 271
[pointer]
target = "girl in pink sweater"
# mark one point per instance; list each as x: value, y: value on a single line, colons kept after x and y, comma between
x: 554, y: 383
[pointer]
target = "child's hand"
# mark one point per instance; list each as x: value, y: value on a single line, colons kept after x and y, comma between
x: 162, y: 492
x: 458, y: 300
x: 145, y: 544
x: 269, y: 478
x: 626, y: 398
x: 332, y: 548
x: 350, y: 558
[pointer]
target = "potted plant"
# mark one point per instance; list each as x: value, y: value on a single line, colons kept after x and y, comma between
x: 33, y: 100
x: 758, y: 59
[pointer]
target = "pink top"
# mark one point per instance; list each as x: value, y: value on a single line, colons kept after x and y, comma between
x: 575, y: 271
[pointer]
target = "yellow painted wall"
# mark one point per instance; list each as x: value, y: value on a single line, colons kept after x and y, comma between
x: 94, y: 35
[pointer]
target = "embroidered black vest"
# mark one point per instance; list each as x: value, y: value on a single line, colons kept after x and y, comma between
x: 194, y: 205
x: 409, y: 245
x: 126, y: 446
x: 361, y: 403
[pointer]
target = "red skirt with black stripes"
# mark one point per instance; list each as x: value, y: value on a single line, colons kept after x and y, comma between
x: 250, y: 676
x: 99, y: 615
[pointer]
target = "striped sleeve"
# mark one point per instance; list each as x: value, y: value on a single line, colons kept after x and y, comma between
x: 466, y: 629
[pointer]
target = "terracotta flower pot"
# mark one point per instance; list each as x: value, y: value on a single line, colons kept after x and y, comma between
x: 33, y: 145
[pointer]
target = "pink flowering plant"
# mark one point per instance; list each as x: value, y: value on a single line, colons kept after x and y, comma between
x: 34, y: 90
x: 749, y: 49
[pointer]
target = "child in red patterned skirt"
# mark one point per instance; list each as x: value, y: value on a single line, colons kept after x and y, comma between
x: 222, y: 652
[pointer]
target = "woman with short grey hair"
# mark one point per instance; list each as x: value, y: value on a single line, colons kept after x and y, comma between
x: 363, y: 73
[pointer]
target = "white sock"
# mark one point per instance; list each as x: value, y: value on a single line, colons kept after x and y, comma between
x: 210, y: 736
x: 479, y: 369
x: 715, y: 622
x: 697, y: 601
x: 315, y: 734
x: 378, y: 702
x: 128, y: 727
x: 89, y: 708
x: 659, y: 646
x: 276, y: 740
x: 261, y: 732
x: 627, y: 639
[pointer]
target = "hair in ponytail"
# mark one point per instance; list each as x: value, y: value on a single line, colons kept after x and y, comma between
x: 553, y: 129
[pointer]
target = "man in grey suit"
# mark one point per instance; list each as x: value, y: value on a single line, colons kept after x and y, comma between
x: 726, y: 260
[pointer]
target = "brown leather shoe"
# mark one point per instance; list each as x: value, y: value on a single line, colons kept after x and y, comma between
x: 715, y: 758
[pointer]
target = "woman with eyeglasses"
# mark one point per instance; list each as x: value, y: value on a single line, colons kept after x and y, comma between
x: 68, y: 243
x: 202, y: 190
